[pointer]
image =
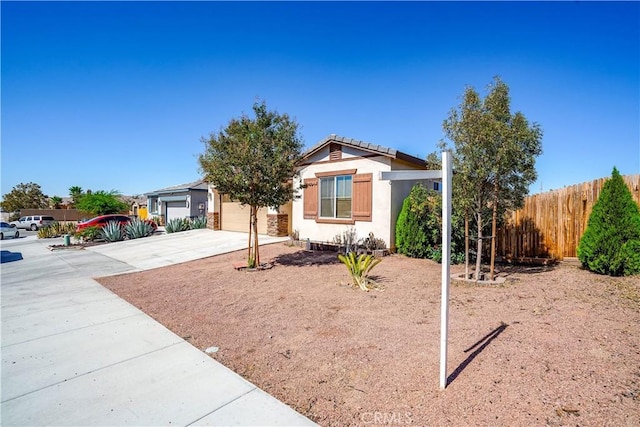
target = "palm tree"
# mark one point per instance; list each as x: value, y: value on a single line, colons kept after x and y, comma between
x: 76, y: 193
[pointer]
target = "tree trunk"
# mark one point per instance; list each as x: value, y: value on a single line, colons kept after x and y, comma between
x: 479, y: 250
x: 255, y: 236
x: 494, y: 221
x: 466, y: 246
x: 250, y: 238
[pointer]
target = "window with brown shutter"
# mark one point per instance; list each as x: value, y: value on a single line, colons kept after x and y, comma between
x: 310, y: 198
x: 362, y: 197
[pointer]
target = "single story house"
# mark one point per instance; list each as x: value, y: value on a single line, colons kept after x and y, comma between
x: 342, y: 188
x: 180, y: 201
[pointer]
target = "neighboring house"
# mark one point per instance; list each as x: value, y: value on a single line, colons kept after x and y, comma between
x: 180, y: 201
x: 230, y: 215
x: 343, y: 189
x: 137, y: 205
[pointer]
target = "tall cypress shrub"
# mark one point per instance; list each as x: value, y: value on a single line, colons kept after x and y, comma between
x: 419, y: 227
x: 611, y: 243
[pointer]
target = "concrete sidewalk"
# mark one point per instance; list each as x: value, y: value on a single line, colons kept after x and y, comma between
x: 74, y: 353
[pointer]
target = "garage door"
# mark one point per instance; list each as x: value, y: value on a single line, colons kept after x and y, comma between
x: 177, y: 209
x: 235, y: 217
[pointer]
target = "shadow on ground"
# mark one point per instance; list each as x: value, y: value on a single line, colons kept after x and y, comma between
x: 8, y: 256
x: 481, y: 345
x: 304, y: 258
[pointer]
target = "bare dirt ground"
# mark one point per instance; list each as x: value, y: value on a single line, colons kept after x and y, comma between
x: 552, y: 346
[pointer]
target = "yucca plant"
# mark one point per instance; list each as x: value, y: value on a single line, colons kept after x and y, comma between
x: 113, y: 232
x: 137, y: 228
x: 59, y: 228
x: 359, y: 267
x: 198, y: 222
x: 176, y: 225
x: 45, y: 233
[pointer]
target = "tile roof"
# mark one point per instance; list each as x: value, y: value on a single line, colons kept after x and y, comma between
x: 196, y: 185
x: 367, y: 146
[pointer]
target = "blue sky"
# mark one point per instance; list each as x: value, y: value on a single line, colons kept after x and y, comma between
x: 116, y: 95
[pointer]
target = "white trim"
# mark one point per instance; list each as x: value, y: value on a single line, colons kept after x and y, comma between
x: 409, y: 175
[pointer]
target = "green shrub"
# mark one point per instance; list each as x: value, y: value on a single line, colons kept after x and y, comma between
x: 419, y: 227
x: 176, y: 225
x: 89, y: 234
x: 198, y: 222
x: 113, y: 232
x: 137, y: 228
x: 611, y: 243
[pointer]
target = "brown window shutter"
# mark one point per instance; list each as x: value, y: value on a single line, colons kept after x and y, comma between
x: 362, y: 197
x: 335, y: 152
x: 310, y: 198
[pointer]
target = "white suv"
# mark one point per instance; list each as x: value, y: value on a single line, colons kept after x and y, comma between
x: 33, y: 222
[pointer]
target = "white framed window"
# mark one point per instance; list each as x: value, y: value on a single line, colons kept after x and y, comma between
x: 335, y: 196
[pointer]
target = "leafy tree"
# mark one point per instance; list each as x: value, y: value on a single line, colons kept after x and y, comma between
x: 611, y: 243
x: 495, y: 157
x: 76, y: 193
x: 515, y: 145
x: 101, y: 203
x: 54, y: 202
x: 467, y: 127
x: 24, y: 196
x: 253, y: 161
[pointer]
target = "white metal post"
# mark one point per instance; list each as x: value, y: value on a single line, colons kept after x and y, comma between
x: 446, y: 258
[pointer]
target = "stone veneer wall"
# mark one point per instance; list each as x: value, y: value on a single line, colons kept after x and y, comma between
x: 278, y: 225
x: 213, y: 220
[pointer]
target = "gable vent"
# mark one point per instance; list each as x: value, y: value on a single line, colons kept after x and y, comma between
x: 335, y: 152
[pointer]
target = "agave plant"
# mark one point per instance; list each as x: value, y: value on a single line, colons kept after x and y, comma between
x: 137, y: 228
x: 176, y: 224
x: 113, y: 232
x: 359, y: 267
x: 198, y: 222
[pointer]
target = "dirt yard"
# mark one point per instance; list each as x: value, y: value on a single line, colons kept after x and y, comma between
x: 553, y: 346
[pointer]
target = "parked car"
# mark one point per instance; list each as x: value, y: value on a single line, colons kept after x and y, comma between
x: 8, y: 230
x: 102, y: 220
x: 33, y: 222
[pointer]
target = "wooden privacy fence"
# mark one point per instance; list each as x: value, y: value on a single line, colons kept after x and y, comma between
x: 551, y: 224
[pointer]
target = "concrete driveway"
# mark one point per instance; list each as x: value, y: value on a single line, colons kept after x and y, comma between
x: 74, y: 353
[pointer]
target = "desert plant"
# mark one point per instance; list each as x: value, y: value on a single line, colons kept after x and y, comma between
x: 347, y: 240
x: 89, y: 233
x: 176, y: 225
x: 359, y: 267
x: 113, y: 232
x: 56, y: 229
x: 137, y: 228
x: 45, y: 233
x: 611, y: 241
x: 373, y: 243
x: 198, y: 222
x: 158, y: 220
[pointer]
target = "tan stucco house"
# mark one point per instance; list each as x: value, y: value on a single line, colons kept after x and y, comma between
x: 343, y: 188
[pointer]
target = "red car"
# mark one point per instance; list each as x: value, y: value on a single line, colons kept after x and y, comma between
x: 102, y: 220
